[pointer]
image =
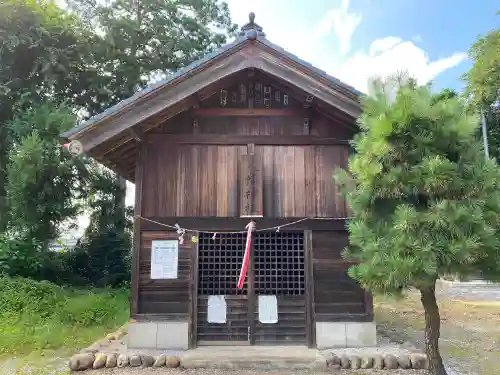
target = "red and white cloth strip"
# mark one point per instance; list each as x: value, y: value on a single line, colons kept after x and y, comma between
x: 250, y: 228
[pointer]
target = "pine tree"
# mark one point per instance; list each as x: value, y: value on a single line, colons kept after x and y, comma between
x: 424, y: 199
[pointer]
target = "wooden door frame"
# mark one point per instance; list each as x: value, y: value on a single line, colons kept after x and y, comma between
x: 309, y: 291
x: 193, y: 306
x: 251, y: 296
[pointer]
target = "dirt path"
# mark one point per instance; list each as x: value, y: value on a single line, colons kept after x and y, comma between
x: 470, y: 333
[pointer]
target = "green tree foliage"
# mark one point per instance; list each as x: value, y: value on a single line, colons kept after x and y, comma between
x: 147, y: 39
x: 483, y: 84
x: 102, y: 256
x: 42, y: 54
x: 483, y: 79
x: 425, y: 201
x: 88, y: 59
x: 44, y: 188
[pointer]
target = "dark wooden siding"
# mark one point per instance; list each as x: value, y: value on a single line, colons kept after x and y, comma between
x: 336, y: 295
x: 196, y: 180
x: 168, y: 299
x: 320, y: 126
x: 202, y: 180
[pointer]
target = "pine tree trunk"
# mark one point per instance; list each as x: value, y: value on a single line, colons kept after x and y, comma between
x: 432, y: 330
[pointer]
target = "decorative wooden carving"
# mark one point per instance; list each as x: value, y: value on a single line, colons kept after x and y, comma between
x: 306, y: 129
x: 285, y: 99
x: 258, y: 93
x: 277, y: 96
x: 234, y: 97
x: 250, y: 181
x: 223, y: 97
x: 267, y: 96
x: 308, y: 101
x: 243, y: 93
x: 250, y: 95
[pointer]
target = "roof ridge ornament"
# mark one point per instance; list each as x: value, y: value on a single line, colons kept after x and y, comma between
x: 251, y: 30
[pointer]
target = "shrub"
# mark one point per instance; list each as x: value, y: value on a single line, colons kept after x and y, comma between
x: 39, y: 315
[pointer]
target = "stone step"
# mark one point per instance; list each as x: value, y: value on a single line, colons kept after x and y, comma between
x: 253, y: 357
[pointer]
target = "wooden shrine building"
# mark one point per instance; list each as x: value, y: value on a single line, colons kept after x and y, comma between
x: 249, y: 132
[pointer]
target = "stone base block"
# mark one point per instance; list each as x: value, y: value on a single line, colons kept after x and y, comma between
x: 345, y: 335
x: 158, y: 335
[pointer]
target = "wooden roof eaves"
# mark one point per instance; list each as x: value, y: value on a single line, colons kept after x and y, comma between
x: 313, y: 71
x: 181, y: 74
x: 168, y: 96
x: 272, y: 59
x: 152, y: 89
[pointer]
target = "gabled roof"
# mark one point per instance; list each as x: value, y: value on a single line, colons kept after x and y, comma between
x: 251, y: 32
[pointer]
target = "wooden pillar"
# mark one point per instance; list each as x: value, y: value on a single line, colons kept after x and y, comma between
x: 310, y: 321
x: 134, y: 307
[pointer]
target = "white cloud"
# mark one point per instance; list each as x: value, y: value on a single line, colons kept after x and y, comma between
x: 343, y: 23
x: 389, y: 55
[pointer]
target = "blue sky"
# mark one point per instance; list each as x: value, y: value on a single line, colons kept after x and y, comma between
x: 356, y: 39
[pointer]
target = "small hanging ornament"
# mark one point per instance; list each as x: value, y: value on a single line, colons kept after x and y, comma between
x: 75, y: 147
x: 194, y: 239
x: 214, y: 236
x: 181, y: 232
x: 278, y: 230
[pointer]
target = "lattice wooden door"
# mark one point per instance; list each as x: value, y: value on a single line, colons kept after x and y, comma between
x: 276, y: 269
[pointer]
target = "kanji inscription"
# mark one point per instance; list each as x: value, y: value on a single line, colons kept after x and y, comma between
x: 250, y: 186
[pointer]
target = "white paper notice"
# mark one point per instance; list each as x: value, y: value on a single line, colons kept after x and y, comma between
x: 268, y: 309
x: 216, y: 309
x: 164, y: 259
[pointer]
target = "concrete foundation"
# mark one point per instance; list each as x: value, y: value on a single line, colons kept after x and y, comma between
x: 345, y: 335
x: 158, y: 335
x: 253, y: 357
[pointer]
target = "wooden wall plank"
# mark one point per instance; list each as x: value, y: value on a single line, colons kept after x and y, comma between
x: 299, y: 184
x: 279, y: 182
x: 203, y: 180
x: 268, y: 176
x: 310, y: 181
x: 288, y: 181
x: 168, y: 298
x: 183, y: 180
x: 336, y: 294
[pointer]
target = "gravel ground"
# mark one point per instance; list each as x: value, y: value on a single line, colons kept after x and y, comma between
x: 132, y: 371
x: 470, y: 292
x: 470, y: 325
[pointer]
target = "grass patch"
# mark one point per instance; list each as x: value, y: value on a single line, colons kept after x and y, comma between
x: 38, y: 318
